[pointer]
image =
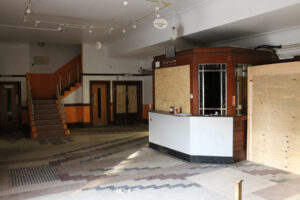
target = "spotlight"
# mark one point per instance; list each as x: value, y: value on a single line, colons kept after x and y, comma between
x: 125, y: 2
x: 25, y: 19
x: 157, y: 15
x: 124, y: 30
x: 36, y: 23
x: 157, y: 8
x: 28, y: 11
x: 60, y: 28
x: 91, y: 30
x: 134, y: 26
x: 110, y: 30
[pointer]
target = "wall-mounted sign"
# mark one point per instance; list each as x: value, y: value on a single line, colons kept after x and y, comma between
x: 160, y: 23
x: 157, y: 64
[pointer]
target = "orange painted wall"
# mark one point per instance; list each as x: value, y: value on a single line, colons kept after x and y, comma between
x: 81, y: 113
x: 76, y: 113
x: 43, y: 86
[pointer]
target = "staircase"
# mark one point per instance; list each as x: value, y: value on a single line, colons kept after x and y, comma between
x: 47, y: 116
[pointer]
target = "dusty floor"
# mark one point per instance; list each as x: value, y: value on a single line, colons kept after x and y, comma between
x: 116, y: 163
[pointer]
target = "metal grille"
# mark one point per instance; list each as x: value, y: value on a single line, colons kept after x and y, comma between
x: 31, y: 175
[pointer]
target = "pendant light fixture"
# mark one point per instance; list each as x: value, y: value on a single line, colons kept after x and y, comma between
x: 174, y: 32
x: 125, y: 2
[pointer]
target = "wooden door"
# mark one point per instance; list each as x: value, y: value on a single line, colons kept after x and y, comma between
x: 127, y: 101
x: 10, y: 106
x: 100, y: 103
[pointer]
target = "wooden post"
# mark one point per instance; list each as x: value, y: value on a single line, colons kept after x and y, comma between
x: 238, y: 190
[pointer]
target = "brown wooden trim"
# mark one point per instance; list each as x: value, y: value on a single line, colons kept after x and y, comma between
x: 13, y: 75
x: 239, y: 138
x: 116, y: 74
x: 79, y: 125
x: 77, y: 104
x: 139, y: 96
x: 227, y: 55
x: 19, y: 98
x: 107, y: 83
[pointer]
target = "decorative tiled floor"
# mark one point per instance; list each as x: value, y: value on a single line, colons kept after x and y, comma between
x: 113, y: 163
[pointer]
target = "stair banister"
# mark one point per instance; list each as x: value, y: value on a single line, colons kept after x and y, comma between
x: 61, y: 105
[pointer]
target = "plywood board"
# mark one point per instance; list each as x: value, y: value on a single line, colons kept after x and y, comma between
x: 172, y: 88
x: 121, y: 99
x: 132, y: 99
x: 274, y: 116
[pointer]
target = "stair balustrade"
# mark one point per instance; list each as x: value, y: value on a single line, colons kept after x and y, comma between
x: 30, y: 107
x: 66, y: 80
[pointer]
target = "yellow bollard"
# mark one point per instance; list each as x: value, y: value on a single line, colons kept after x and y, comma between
x: 238, y: 190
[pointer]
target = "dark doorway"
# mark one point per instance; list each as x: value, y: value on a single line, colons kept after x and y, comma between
x: 10, y: 106
x: 127, y: 102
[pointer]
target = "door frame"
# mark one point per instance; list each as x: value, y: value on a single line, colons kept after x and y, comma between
x: 107, y: 83
x: 19, y: 99
x: 139, y: 97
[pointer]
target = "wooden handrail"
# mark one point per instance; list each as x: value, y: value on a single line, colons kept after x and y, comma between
x: 66, y: 80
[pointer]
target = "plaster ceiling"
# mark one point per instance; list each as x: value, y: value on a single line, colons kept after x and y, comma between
x: 94, y: 12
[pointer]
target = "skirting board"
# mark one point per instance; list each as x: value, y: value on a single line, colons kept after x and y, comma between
x: 195, y: 159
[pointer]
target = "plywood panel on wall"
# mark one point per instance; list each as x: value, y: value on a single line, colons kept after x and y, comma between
x: 172, y: 88
x: 274, y: 136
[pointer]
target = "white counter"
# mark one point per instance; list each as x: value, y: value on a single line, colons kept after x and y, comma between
x: 192, y: 135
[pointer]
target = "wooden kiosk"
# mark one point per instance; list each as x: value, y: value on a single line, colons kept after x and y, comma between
x: 210, y: 87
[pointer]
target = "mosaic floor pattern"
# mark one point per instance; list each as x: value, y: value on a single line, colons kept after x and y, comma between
x: 113, y: 163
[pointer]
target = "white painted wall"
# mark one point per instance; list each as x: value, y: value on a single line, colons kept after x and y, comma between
x: 58, y: 56
x: 278, y: 37
x: 14, y: 58
x: 97, y: 62
x: 74, y: 97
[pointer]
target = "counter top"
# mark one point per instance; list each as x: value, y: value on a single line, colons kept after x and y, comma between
x: 188, y: 115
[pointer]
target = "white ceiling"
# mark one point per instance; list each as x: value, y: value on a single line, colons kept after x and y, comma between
x: 92, y: 12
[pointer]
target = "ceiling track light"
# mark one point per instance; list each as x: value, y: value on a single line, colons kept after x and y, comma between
x: 159, y: 5
x: 110, y: 30
x: 36, y: 23
x: 91, y: 29
x: 28, y: 11
x: 60, y: 28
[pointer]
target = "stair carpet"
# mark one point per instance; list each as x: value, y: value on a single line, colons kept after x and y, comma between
x: 47, y: 118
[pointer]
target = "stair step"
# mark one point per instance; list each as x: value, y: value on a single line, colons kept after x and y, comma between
x: 50, y: 133
x: 43, y: 102
x: 47, y: 116
x: 49, y: 127
x: 45, y: 106
x: 48, y: 111
x: 48, y: 122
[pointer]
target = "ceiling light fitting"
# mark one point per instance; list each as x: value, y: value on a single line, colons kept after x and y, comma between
x: 159, y: 5
x: 91, y: 29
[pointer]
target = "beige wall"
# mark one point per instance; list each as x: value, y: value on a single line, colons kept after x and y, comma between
x: 58, y: 56
x: 14, y: 58
x: 274, y: 116
x: 97, y: 62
